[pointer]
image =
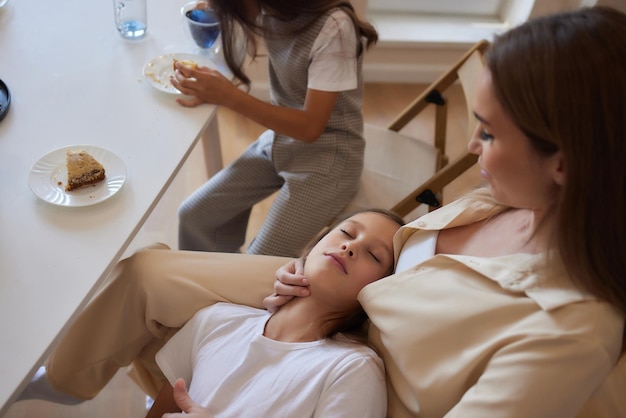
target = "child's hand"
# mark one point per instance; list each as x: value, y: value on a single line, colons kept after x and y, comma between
x: 207, y: 85
x: 290, y: 282
x: 186, y: 404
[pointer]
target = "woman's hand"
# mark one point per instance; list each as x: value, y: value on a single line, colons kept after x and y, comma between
x: 207, y: 85
x: 290, y: 282
x: 186, y: 404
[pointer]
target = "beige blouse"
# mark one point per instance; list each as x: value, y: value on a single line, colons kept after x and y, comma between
x: 494, y: 337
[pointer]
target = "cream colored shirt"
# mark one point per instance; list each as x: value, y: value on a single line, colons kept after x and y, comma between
x: 484, y: 337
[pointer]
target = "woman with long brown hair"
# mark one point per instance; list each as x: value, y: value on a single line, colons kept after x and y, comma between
x: 510, y: 302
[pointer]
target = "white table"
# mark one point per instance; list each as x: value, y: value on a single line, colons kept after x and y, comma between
x: 74, y: 80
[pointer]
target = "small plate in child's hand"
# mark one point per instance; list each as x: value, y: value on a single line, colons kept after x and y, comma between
x: 5, y: 99
x: 158, y: 70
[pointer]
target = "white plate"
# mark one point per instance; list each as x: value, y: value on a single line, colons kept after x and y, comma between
x: 158, y: 70
x: 48, y: 177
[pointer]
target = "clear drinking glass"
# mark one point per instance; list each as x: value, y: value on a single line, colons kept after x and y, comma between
x: 131, y: 18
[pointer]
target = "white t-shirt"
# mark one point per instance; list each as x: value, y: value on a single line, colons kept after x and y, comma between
x: 233, y: 369
x: 418, y: 248
x: 333, y: 55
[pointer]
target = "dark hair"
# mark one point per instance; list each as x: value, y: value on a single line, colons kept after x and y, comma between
x: 351, y: 323
x: 562, y: 80
x: 237, y: 23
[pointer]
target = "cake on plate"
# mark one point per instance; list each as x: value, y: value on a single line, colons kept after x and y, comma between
x: 82, y: 169
x: 187, y: 63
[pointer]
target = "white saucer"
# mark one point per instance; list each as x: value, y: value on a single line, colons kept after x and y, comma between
x: 158, y: 70
x: 48, y: 177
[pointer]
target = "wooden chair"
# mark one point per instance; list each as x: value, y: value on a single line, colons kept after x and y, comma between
x: 401, y: 172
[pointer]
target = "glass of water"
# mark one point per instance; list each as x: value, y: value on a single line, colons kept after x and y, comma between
x: 131, y: 18
x: 202, y: 25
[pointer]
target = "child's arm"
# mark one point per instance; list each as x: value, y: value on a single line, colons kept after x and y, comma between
x: 210, y: 86
x: 164, y: 402
x: 305, y: 124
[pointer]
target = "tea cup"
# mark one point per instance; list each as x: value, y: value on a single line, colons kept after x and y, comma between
x: 202, y: 23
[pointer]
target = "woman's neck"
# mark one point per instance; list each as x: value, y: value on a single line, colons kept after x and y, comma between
x: 300, y: 320
x: 534, y: 228
x: 509, y: 232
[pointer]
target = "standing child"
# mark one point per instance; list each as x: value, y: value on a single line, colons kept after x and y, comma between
x: 313, y: 149
x: 236, y: 357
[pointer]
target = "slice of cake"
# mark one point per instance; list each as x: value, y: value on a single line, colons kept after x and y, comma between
x: 187, y: 63
x: 82, y: 169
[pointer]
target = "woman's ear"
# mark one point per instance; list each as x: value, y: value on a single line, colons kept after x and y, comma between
x: 558, y: 168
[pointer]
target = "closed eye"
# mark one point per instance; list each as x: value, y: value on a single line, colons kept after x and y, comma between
x: 374, y: 257
x: 345, y: 232
x: 485, y: 136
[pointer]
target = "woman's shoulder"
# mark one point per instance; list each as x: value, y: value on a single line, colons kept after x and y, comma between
x: 466, y: 210
x: 593, y: 321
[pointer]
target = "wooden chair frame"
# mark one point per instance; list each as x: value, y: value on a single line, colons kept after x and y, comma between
x: 446, y: 171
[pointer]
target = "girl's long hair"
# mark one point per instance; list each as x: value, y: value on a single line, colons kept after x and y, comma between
x: 239, y: 24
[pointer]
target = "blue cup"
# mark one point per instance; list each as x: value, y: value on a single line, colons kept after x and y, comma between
x: 202, y: 23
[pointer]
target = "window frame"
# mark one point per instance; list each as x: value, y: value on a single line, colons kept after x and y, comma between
x: 475, y: 8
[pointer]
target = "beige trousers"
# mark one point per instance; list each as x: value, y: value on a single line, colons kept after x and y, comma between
x: 151, y: 295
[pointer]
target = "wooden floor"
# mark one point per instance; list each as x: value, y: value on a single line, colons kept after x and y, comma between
x: 122, y: 399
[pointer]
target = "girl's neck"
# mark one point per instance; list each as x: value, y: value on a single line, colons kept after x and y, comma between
x: 297, y: 321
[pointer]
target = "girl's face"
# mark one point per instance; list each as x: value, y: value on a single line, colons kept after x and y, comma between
x: 517, y: 175
x: 355, y: 253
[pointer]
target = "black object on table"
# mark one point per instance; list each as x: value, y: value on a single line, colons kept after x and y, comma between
x: 5, y: 99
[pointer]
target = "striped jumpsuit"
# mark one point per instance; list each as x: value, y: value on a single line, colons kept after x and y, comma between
x: 315, y: 181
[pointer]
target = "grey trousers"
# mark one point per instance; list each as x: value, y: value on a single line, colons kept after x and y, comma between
x: 315, y: 183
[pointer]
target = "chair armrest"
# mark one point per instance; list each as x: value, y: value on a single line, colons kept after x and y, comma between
x: 437, y: 182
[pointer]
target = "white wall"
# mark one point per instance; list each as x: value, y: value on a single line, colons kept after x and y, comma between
x: 422, y: 61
